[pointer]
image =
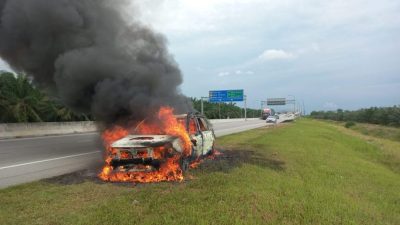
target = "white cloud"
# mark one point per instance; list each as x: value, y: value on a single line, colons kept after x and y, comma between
x: 183, y: 17
x: 237, y: 72
x: 272, y: 54
x: 224, y: 74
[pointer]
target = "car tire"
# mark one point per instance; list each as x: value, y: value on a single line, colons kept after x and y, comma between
x: 193, y: 154
x: 212, y: 151
x: 184, y: 164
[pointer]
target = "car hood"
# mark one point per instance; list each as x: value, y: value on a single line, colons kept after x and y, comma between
x: 143, y: 141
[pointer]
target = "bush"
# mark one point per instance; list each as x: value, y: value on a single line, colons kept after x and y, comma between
x: 349, y: 124
x: 375, y: 115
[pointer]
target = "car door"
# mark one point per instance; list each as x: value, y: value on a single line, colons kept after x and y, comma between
x: 208, y: 135
x: 196, y: 136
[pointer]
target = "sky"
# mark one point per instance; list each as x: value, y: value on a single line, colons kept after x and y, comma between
x: 327, y: 54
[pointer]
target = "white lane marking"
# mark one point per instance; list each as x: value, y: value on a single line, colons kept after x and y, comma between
x: 47, y: 160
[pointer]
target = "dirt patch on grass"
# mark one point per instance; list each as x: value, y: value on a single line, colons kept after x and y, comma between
x: 231, y: 159
x: 76, y: 177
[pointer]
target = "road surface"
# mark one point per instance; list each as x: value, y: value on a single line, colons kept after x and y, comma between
x: 28, y: 159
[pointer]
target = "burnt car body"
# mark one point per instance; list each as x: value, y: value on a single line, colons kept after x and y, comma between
x: 148, y: 152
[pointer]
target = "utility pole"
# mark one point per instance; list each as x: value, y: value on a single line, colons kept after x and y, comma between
x: 294, y: 103
x: 202, y: 104
x: 219, y: 110
x: 261, y: 108
x: 232, y: 113
x: 245, y: 108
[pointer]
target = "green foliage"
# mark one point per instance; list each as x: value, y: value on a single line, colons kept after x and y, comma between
x: 224, y: 110
x: 376, y: 115
x: 349, y: 124
x: 20, y: 101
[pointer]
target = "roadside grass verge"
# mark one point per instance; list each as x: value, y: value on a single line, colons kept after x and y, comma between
x: 390, y: 133
x: 309, y: 172
x: 373, y: 130
x: 386, y: 139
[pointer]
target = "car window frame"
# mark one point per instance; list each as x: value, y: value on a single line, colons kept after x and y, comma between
x: 204, y: 123
x: 195, y: 124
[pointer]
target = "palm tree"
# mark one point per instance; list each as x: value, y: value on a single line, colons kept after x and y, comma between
x: 19, y: 100
x: 53, y: 110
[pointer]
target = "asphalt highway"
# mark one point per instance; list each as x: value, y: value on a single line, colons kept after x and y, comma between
x: 28, y: 159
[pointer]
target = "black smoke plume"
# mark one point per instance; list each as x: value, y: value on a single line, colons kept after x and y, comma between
x: 87, y: 54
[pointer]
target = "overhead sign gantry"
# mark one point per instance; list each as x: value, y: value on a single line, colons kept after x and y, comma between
x: 279, y: 101
x: 276, y: 101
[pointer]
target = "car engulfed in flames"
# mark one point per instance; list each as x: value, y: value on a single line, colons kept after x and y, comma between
x: 156, y: 151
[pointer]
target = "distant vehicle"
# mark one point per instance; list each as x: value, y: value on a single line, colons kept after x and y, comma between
x: 142, y: 152
x: 266, y: 112
x: 271, y: 119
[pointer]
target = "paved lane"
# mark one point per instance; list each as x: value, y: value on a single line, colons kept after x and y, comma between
x: 226, y: 128
x: 28, y: 159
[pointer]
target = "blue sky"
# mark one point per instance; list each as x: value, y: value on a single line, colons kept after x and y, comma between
x: 329, y: 54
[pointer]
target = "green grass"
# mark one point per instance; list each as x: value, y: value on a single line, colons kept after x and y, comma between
x: 309, y: 172
x: 390, y: 133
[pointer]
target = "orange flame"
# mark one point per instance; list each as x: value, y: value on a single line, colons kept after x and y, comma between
x: 169, y: 171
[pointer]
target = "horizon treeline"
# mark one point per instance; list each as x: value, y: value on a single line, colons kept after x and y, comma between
x: 389, y: 116
x: 21, y: 102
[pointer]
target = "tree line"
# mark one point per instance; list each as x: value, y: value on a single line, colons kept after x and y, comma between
x: 376, y: 115
x: 224, y: 110
x: 21, y: 101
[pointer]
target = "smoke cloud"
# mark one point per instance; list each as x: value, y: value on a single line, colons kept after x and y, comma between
x: 87, y: 54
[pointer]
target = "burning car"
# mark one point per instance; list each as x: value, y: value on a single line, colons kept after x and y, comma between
x: 158, y: 152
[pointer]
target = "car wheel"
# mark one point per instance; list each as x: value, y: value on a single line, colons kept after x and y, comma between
x: 184, y: 164
x: 212, y: 151
x: 193, y: 154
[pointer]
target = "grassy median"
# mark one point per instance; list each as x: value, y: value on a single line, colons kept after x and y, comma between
x: 309, y: 172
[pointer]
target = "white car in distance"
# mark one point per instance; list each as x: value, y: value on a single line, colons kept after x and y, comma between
x: 271, y: 119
